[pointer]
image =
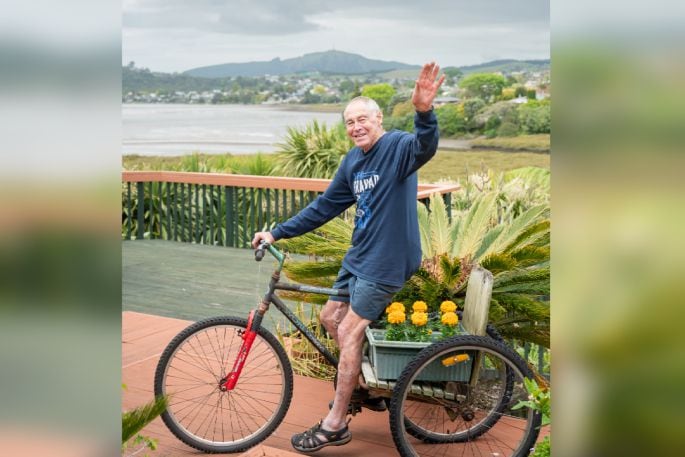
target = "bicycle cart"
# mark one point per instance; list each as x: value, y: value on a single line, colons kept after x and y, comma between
x: 230, y: 385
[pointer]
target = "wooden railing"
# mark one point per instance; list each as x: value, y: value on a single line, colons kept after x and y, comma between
x: 220, y: 209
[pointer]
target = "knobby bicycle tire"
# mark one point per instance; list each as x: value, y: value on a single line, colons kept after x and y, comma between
x: 426, y: 436
x: 452, y: 414
x: 199, y: 413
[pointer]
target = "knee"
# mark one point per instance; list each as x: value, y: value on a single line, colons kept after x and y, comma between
x: 327, y: 320
x: 350, y: 340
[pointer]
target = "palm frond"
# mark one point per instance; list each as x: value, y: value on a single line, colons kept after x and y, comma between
x: 536, y: 233
x: 305, y: 297
x: 439, y: 226
x: 496, y: 263
x: 530, y: 255
x: 523, y: 306
x: 528, y: 281
x: 488, y: 240
x: 473, y: 228
x: 307, y: 271
x: 135, y: 420
x: 331, y: 240
x: 425, y: 231
x: 532, y: 332
x: 521, y: 228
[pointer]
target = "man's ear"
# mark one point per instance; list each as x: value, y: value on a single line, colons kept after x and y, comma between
x: 379, y: 116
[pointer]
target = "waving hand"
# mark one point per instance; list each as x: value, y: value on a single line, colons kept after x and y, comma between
x: 426, y: 87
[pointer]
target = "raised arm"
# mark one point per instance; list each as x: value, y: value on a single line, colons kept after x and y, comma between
x: 415, y: 150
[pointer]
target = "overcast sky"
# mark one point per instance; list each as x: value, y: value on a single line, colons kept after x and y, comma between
x: 177, y: 35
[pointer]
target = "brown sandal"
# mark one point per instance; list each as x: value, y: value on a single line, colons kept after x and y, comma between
x: 311, y: 441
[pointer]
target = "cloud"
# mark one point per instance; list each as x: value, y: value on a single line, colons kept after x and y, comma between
x: 278, y: 17
x: 176, y: 35
x: 236, y: 17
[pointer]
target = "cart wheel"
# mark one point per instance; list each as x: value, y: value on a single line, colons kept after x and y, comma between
x: 466, y: 407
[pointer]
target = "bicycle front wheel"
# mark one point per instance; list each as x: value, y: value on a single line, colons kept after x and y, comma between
x: 190, y: 372
x: 467, y: 408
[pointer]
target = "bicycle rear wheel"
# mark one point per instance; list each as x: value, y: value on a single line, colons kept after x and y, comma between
x: 466, y: 409
x: 199, y: 413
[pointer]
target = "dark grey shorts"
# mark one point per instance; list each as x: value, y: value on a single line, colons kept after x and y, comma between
x: 367, y: 298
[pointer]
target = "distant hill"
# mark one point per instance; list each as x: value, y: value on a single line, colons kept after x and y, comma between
x: 504, y: 66
x: 507, y: 66
x: 142, y: 79
x: 330, y: 62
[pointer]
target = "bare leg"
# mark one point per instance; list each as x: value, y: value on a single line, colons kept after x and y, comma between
x: 350, y: 335
x: 331, y: 316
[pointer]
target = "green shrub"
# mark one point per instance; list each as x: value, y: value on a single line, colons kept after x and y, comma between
x: 405, y: 123
x: 508, y: 129
x: 535, y: 117
x: 382, y: 93
x: 314, y: 151
x: 450, y: 120
x: 493, y: 123
x: 471, y: 107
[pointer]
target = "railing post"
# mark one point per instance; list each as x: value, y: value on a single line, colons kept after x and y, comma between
x: 129, y: 222
x: 447, y: 198
x: 140, y: 234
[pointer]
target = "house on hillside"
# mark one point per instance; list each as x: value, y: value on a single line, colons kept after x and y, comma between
x: 439, y: 101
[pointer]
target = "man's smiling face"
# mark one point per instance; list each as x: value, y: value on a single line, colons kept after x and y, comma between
x: 364, y: 126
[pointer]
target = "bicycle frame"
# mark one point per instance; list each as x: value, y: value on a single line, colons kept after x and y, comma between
x: 256, y: 316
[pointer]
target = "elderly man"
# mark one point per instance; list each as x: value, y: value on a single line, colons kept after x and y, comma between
x: 379, y: 175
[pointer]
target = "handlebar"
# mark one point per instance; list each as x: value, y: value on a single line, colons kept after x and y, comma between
x: 259, y: 252
x: 263, y: 247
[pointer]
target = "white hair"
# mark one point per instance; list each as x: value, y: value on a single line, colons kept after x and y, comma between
x: 370, y: 104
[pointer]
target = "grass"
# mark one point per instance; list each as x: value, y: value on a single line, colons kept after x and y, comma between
x: 446, y: 165
x: 454, y: 165
x: 537, y: 143
x: 259, y: 164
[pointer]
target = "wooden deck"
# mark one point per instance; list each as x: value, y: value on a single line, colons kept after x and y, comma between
x: 144, y: 337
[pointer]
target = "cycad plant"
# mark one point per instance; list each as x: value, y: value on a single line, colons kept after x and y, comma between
x: 314, y: 151
x: 515, y: 249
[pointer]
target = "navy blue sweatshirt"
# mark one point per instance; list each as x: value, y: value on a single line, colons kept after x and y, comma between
x: 386, y: 247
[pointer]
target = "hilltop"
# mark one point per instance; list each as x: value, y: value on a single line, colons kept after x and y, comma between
x: 328, y: 62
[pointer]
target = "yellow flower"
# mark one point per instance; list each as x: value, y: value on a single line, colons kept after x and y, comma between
x: 419, y: 319
x: 420, y: 307
x: 396, y: 317
x: 394, y: 306
x: 450, y: 318
x: 447, y: 307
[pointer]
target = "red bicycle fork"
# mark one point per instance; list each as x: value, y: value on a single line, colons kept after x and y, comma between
x: 229, y: 382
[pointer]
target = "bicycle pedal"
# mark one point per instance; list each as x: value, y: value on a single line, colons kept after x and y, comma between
x: 352, y: 408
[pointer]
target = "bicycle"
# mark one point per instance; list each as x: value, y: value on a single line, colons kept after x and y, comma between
x: 230, y: 385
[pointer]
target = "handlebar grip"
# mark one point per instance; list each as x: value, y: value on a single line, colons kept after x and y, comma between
x: 259, y: 254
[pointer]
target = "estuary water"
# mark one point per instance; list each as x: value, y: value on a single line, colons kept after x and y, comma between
x: 178, y: 129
